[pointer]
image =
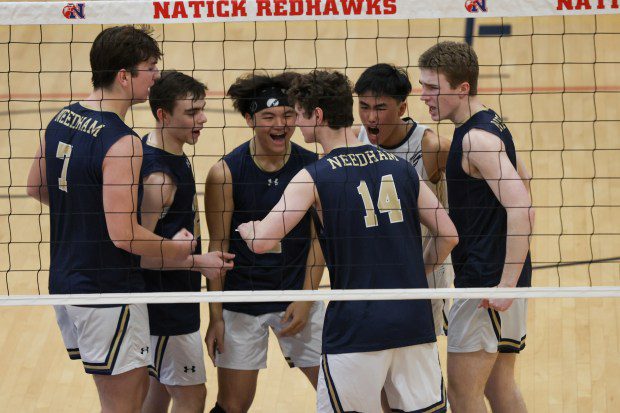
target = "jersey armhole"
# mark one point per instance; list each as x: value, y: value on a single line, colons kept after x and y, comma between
x: 104, y: 153
x: 156, y: 169
x: 315, y: 220
x: 231, y: 171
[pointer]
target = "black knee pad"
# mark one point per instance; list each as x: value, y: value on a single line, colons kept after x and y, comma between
x: 217, y: 409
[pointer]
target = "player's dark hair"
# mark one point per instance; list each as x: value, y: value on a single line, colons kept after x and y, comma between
x: 172, y: 86
x: 329, y: 90
x: 120, y: 47
x: 384, y: 80
x: 249, y: 87
x: 457, y: 61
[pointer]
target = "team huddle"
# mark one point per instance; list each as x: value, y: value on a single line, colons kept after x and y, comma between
x: 373, y: 208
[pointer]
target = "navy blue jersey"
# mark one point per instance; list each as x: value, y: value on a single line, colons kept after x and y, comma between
x: 255, y: 192
x: 478, y: 216
x: 83, y: 258
x: 371, y: 238
x: 173, y: 319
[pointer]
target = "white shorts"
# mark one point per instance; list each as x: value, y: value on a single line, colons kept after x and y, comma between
x: 246, y: 337
x: 474, y: 329
x: 109, y: 340
x: 443, y: 277
x: 411, y: 377
x: 178, y: 360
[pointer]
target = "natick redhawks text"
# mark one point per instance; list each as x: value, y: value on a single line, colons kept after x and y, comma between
x: 587, y: 4
x: 238, y: 8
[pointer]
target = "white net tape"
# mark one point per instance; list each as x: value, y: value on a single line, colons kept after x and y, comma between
x: 304, y: 295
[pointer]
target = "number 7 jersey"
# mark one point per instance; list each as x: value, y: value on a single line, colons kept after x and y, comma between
x: 83, y: 258
x: 371, y: 239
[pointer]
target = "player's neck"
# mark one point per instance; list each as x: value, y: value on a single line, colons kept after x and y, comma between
x: 331, y: 139
x: 466, y: 110
x: 268, y: 160
x: 107, y: 101
x: 398, y: 134
x: 159, y: 138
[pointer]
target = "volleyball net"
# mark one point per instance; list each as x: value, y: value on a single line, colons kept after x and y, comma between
x: 550, y: 68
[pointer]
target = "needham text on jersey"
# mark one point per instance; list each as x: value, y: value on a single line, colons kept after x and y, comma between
x: 78, y: 122
x: 360, y: 159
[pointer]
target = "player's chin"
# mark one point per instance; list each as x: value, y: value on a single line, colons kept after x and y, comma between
x: 138, y: 99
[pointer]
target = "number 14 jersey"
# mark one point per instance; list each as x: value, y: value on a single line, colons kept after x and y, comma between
x: 371, y: 239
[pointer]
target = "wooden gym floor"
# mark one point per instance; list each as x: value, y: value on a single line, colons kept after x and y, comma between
x: 556, y: 83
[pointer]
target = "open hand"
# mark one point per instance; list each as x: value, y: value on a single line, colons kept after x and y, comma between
x: 215, y: 338
x: 296, y: 315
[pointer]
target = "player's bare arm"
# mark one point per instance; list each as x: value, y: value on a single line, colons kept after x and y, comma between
x: 486, y: 156
x: 37, y: 177
x: 158, y: 194
x: 219, y: 206
x: 434, y: 217
x: 526, y: 177
x: 435, y: 151
x: 298, y: 197
x: 297, y: 313
x: 121, y: 169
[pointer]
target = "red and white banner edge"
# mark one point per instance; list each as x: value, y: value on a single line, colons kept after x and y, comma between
x: 204, y: 11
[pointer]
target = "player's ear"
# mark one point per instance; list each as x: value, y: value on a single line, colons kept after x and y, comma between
x: 123, y: 77
x: 249, y: 119
x: 402, y: 108
x: 318, y: 115
x: 464, y: 89
x: 161, y: 115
